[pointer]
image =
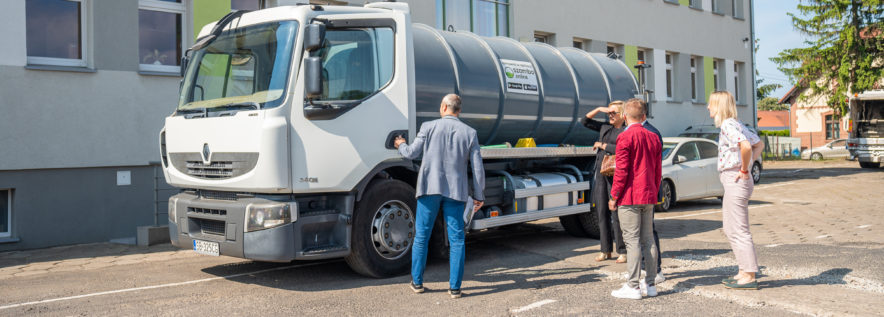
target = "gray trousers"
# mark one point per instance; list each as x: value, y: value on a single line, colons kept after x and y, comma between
x: 637, y: 223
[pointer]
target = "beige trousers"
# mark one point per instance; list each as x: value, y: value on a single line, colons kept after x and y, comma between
x: 735, y: 218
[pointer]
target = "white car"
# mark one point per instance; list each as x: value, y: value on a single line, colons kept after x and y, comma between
x: 690, y: 171
x: 834, y: 149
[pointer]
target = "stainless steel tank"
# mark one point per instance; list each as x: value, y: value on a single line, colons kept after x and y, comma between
x: 513, y: 90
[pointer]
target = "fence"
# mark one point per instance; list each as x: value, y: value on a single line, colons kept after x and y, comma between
x: 780, y: 147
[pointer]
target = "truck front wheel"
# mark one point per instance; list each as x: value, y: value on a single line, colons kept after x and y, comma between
x: 869, y: 164
x: 383, y: 230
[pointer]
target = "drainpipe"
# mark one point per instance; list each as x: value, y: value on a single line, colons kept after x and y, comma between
x: 752, y: 51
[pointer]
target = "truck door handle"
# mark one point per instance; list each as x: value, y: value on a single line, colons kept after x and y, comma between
x: 390, y: 144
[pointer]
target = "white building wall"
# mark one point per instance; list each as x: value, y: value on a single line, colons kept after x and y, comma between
x: 12, y: 24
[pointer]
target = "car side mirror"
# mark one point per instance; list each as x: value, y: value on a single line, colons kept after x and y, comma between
x: 314, y: 35
x: 313, y: 77
x: 680, y: 159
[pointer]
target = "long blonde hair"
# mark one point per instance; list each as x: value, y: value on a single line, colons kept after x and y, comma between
x: 722, y: 106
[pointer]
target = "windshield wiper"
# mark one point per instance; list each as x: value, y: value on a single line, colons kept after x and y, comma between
x: 241, y: 105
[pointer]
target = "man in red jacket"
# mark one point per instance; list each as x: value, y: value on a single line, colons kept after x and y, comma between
x: 639, y: 166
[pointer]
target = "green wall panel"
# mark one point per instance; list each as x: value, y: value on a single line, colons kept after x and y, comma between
x: 684, y: 2
x: 631, y: 58
x: 207, y: 11
x: 708, y: 77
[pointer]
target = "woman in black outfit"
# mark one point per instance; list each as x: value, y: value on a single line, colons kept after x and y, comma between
x: 609, y: 223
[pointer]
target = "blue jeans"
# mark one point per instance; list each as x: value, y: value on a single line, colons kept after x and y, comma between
x: 427, y: 209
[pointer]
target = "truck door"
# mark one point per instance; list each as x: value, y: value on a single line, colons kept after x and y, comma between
x: 341, y: 134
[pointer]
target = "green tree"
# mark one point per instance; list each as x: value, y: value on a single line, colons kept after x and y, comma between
x: 844, y: 53
x: 771, y: 103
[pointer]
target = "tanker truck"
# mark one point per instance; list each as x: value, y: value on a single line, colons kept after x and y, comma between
x: 282, y: 142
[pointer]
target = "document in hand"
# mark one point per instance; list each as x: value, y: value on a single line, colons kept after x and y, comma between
x: 468, y: 211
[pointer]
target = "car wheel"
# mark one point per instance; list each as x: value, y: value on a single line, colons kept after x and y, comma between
x: 667, y: 197
x: 756, y: 172
x: 816, y: 157
x: 383, y: 230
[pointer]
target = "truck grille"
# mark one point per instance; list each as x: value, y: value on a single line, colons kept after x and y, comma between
x: 206, y: 226
x: 223, y: 165
x: 211, y: 170
x: 216, y: 195
x: 207, y: 211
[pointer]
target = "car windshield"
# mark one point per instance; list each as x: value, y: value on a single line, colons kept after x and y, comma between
x: 667, y: 149
x: 246, y: 67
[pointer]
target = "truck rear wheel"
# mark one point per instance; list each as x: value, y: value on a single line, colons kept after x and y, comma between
x: 383, y: 230
x: 869, y: 164
x: 583, y: 225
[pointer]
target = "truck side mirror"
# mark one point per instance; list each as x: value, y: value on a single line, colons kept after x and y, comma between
x: 184, y: 61
x: 314, y: 35
x: 313, y: 77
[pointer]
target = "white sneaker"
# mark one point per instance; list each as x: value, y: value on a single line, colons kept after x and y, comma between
x: 659, y: 279
x: 627, y: 292
x: 646, y: 290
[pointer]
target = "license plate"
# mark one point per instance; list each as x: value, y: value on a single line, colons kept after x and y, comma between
x: 206, y: 247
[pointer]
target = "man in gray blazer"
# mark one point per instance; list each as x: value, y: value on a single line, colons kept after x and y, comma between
x: 448, y: 146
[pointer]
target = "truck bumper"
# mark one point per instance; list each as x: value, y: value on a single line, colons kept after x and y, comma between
x: 223, y: 221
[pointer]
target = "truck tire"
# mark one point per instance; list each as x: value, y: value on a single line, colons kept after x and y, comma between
x: 869, y: 164
x: 572, y: 225
x: 383, y: 230
x: 590, y: 223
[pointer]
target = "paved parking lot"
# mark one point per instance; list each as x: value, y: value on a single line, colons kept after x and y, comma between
x: 818, y: 227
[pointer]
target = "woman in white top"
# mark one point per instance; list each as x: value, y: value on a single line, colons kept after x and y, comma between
x: 737, y: 149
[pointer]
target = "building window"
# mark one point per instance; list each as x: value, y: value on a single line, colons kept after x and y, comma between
x: 737, y: 8
x: 56, y: 32
x: 716, y: 8
x: 578, y: 43
x: 694, y: 79
x: 251, y: 5
x: 615, y: 51
x: 483, y: 17
x: 715, y: 75
x: 696, y: 4
x: 5, y: 213
x: 833, y: 128
x: 737, y: 83
x: 542, y: 37
x: 160, y: 35
x: 640, y: 56
x: 669, y: 82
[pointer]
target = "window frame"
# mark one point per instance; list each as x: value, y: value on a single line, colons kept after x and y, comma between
x: 85, y: 39
x: 167, y: 7
x: 8, y: 233
x: 443, y: 23
x: 737, y: 91
x: 669, y: 60
x: 694, y: 87
x: 318, y: 109
x: 715, y: 77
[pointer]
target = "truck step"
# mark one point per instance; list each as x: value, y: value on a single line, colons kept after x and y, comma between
x: 323, y: 249
x: 318, y: 212
x: 486, y: 223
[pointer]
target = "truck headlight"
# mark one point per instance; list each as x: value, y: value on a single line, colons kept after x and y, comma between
x: 269, y: 215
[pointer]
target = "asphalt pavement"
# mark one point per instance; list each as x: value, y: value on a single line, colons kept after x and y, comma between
x: 818, y: 229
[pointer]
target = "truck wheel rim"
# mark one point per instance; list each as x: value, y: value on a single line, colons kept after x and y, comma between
x: 392, y: 229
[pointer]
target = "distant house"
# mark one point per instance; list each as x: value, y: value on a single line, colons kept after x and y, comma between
x: 773, y: 120
x: 814, y: 121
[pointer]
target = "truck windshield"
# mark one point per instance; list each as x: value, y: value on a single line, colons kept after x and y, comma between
x: 243, y: 68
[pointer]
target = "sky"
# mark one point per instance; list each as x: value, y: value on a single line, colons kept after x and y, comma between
x: 774, y: 30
